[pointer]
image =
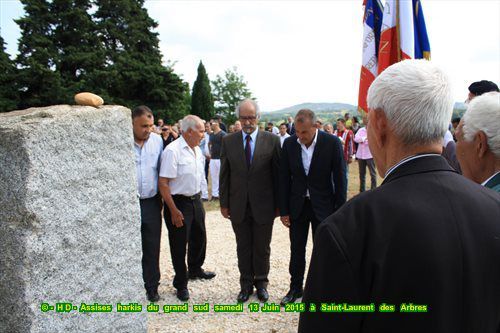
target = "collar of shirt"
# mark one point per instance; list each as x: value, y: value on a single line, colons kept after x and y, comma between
x: 404, y: 160
x: 312, y: 144
x: 253, y: 135
x: 492, y: 176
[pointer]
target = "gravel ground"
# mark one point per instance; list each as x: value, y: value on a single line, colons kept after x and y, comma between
x: 223, y: 289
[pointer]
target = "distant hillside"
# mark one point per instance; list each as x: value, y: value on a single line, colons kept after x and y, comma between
x: 327, y: 112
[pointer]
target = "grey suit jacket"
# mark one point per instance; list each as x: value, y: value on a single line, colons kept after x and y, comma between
x: 257, y: 185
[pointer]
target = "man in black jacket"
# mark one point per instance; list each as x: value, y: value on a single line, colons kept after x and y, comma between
x: 312, y: 186
x: 426, y: 241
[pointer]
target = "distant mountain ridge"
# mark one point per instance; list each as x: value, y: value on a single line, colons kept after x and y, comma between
x: 316, y: 107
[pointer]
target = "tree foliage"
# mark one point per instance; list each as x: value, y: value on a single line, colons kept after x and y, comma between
x: 114, y: 52
x: 8, y: 86
x: 39, y: 83
x: 228, y: 91
x: 202, y: 102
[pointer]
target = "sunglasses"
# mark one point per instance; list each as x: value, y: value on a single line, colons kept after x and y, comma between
x: 164, y: 129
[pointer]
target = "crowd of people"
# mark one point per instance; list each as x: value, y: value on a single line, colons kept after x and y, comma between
x: 429, y: 234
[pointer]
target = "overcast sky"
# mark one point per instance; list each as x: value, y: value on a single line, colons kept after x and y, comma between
x: 305, y: 51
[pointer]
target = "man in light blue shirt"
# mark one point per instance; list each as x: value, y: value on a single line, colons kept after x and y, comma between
x: 148, y: 147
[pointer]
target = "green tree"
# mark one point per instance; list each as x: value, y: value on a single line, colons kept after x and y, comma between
x: 79, y: 51
x: 228, y: 91
x: 202, y: 102
x: 134, y: 72
x: 9, y: 96
x: 39, y: 83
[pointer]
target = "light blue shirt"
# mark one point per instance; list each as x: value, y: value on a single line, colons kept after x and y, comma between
x: 253, y: 137
x: 147, y: 165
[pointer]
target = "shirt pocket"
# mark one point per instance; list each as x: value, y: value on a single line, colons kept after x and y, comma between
x: 185, y: 167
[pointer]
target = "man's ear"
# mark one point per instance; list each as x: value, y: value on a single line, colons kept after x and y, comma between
x: 378, y: 124
x: 481, y: 143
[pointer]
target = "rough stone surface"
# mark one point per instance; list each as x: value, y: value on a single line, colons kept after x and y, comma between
x: 69, y: 213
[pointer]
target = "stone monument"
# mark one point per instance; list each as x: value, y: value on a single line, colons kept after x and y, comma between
x: 69, y: 221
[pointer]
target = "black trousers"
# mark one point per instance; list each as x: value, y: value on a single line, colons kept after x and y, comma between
x: 362, y: 174
x: 151, y: 235
x: 192, y: 235
x: 207, y: 166
x: 253, y: 247
x: 299, y: 230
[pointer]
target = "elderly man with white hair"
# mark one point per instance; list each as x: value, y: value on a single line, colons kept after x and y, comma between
x: 182, y: 173
x: 423, y: 246
x: 478, y: 141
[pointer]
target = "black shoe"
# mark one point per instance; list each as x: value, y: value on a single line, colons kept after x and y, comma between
x: 183, y: 294
x: 291, y: 296
x: 244, y: 295
x: 201, y: 274
x: 215, y: 199
x: 262, y: 294
x: 152, y: 295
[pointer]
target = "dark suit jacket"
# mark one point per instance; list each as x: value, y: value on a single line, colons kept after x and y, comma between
x: 427, y: 236
x: 326, y: 181
x: 257, y: 185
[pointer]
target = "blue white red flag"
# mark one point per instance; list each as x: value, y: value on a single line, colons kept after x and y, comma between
x: 372, y: 21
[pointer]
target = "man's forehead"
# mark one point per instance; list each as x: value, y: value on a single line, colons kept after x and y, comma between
x: 247, y: 108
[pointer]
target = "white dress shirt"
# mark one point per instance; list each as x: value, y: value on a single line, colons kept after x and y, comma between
x: 184, y: 167
x: 147, y: 162
x: 307, y: 154
x: 283, y: 137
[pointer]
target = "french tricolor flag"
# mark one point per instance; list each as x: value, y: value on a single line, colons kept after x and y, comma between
x: 372, y: 21
x: 403, y: 34
x: 391, y: 33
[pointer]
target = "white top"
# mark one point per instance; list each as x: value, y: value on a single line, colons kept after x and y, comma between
x: 184, y: 167
x: 448, y: 137
x: 406, y: 159
x: 275, y: 130
x: 307, y: 154
x: 283, y: 137
x: 487, y: 180
x: 147, y: 163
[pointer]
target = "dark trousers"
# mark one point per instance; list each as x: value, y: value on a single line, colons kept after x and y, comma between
x: 207, y: 166
x: 299, y: 230
x: 151, y: 235
x: 253, y: 247
x: 192, y: 235
x: 362, y: 174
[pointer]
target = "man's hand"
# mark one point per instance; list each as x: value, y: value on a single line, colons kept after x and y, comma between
x: 225, y: 212
x: 285, y: 220
x: 177, y: 218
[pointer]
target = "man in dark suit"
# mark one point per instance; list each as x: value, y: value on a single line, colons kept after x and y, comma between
x: 248, y: 196
x: 427, y: 236
x: 313, y: 185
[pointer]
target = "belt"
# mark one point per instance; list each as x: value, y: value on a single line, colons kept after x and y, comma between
x: 196, y: 196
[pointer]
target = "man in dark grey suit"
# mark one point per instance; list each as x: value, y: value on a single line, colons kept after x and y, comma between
x: 248, y: 196
x: 425, y: 245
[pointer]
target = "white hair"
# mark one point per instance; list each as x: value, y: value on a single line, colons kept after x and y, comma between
x: 190, y: 121
x: 416, y: 98
x: 253, y: 102
x: 483, y: 114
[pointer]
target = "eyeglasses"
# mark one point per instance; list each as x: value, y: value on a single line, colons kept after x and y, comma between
x: 248, y: 118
